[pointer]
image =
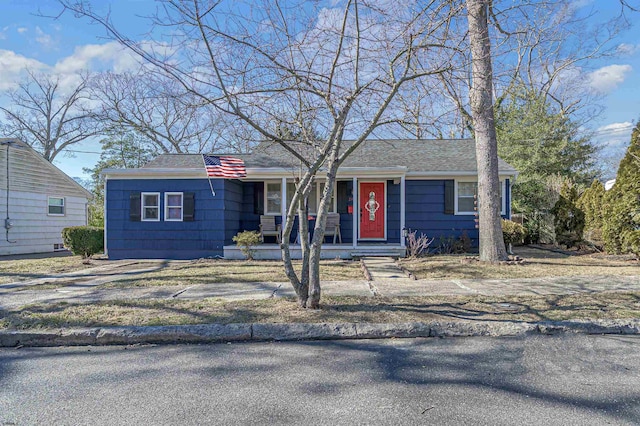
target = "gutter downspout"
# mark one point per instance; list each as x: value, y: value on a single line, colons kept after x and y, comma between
x: 7, y: 222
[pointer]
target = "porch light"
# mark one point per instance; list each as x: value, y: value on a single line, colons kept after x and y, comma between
x: 405, y: 232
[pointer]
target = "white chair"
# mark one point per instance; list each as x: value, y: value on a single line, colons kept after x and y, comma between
x: 268, y: 228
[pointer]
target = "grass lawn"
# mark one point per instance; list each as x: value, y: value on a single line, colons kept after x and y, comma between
x: 538, y: 263
x: 27, y: 269
x: 334, y: 309
x: 212, y: 271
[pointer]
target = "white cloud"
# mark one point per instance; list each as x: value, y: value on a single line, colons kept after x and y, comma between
x: 95, y: 57
x: 606, y: 79
x: 12, y: 67
x: 614, y: 136
x: 22, y: 30
x: 44, y: 39
x: 625, y: 127
x: 628, y: 49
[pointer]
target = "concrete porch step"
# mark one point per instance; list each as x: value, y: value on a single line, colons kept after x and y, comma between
x: 379, y: 252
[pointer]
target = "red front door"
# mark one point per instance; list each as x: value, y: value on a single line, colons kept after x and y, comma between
x: 372, y: 209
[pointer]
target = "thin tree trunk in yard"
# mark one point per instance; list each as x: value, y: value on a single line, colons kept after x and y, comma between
x: 492, y: 247
x: 318, y: 233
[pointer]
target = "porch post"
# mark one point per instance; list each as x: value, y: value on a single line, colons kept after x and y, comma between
x: 283, y: 204
x: 356, y: 212
x: 402, y: 210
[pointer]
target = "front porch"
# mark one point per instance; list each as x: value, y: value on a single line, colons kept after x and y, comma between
x: 329, y: 251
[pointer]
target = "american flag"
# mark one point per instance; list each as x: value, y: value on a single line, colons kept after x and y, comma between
x: 224, y: 167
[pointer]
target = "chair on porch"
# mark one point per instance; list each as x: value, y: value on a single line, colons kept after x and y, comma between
x: 268, y: 228
x: 333, y: 227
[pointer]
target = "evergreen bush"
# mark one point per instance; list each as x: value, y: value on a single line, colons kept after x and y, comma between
x: 84, y: 241
x: 512, y: 232
x: 622, y: 202
x: 591, y: 202
x: 568, y: 217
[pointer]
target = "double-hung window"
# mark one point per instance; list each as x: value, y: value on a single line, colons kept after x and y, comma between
x: 273, y: 195
x: 173, y: 206
x: 150, y: 206
x: 56, y: 206
x: 466, y: 193
x: 313, y: 200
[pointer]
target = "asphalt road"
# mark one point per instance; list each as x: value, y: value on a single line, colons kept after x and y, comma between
x: 566, y: 380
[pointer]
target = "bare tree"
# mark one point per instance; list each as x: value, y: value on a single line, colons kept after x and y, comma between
x: 492, y: 248
x: 158, y: 109
x: 49, y: 114
x: 333, y: 69
x: 546, y: 46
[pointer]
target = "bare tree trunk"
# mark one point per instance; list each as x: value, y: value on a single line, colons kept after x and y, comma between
x: 303, y: 230
x: 300, y: 285
x: 318, y: 233
x: 492, y: 247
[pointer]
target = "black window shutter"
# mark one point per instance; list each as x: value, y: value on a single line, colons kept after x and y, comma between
x: 449, y: 197
x: 188, y: 206
x: 134, y: 207
x: 258, y: 198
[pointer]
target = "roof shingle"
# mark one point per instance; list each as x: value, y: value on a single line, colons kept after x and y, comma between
x: 426, y: 155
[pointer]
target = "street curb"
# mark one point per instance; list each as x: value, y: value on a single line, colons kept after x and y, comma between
x: 213, y: 333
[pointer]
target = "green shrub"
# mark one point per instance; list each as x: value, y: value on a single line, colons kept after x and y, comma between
x: 512, y: 232
x: 246, y: 240
x: 83, y: 240
x: 622, y: 202
x: 592, y: 203
x: 632, y: 242
x: 568, y: 217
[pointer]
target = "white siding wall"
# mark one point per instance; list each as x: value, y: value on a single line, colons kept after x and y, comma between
x: 31, y: 182
x: 34, y: 231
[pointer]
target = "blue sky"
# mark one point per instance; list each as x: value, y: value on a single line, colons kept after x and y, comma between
x: 67, y: 44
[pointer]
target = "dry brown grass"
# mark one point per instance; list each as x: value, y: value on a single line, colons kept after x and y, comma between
x: 27, y: 269
x: 538, y: 263
x: 334, y: 309
x: 208, y: 271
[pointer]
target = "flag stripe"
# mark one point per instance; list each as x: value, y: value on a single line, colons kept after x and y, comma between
x: 224, y: 167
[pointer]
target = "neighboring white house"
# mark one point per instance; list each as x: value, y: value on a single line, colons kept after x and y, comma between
x: 36, y: 202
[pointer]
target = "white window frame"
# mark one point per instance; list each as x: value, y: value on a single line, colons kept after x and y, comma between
x: 334, y: 207
x: 64, y: 206
x: 167, y: 207
x: 503, y: 207
x: 266, y: 200
x: 318, y: 184
x: 142, y: 207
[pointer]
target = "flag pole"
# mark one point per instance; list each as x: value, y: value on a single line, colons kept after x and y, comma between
x: 213, y: 193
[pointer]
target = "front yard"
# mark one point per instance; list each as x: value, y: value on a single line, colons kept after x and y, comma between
x: 132, y: 311
x: 334, y: 309
x: 537, y: 263
x: 214, y: 271
x: 31, y: 268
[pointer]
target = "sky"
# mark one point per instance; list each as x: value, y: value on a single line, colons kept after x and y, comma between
x: 31, y: 36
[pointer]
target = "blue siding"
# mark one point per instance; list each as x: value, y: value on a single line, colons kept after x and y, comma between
x: 249, y: 220
x: 425, y: 212
x: 508, y: 198
x: 215, y: 220
x: 233, y: 203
